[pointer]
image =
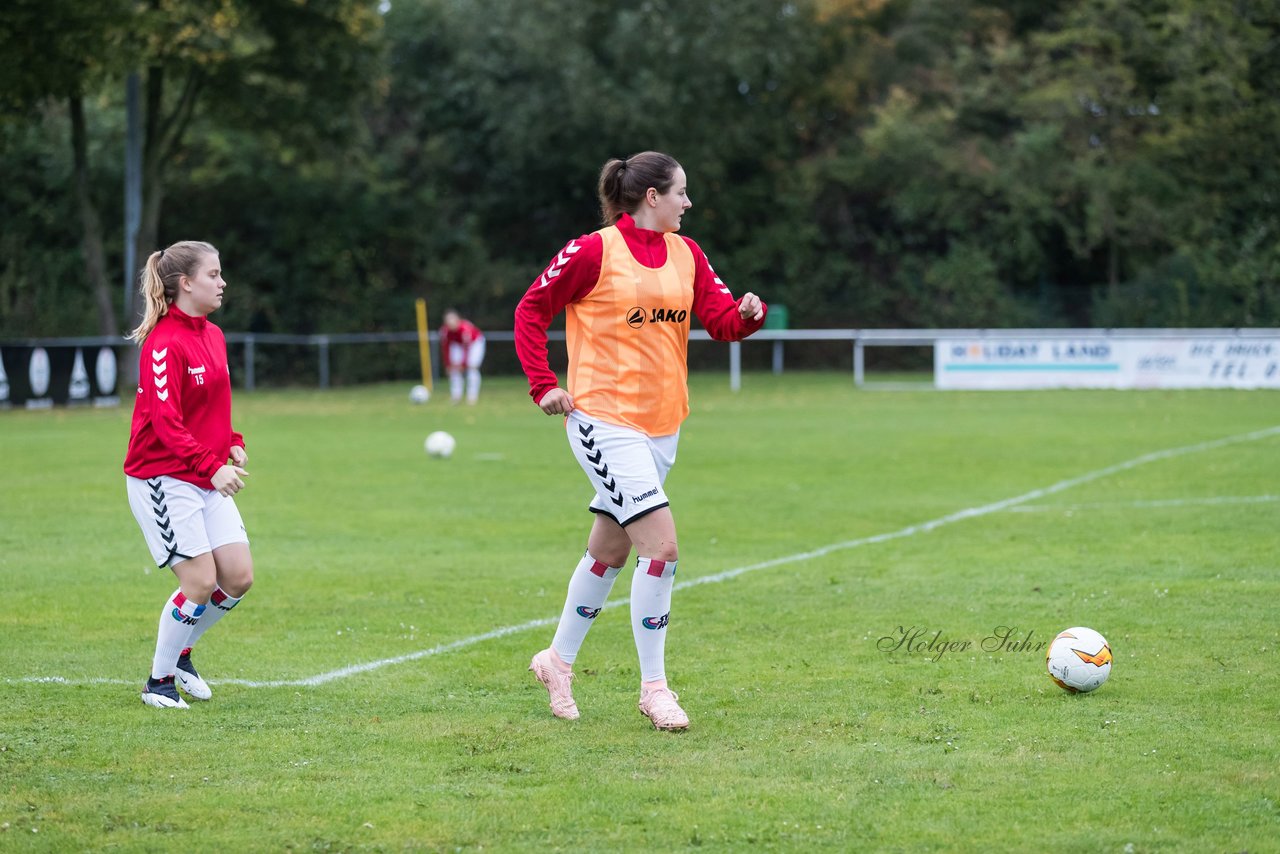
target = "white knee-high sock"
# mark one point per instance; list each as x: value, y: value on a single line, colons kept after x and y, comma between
x: 588, y: 589
x: 650, y: 613
x: 179, y: 616
x: 473, y: 385
x: 219, y: 604
x: 456, y: 382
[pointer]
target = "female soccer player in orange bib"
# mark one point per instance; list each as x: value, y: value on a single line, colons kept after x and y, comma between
x: 630, y: 290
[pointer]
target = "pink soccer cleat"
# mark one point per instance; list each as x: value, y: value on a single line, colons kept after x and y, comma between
x: 556, y: 677
x: 659, y: 706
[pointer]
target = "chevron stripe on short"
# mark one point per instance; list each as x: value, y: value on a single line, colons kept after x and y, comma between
x: 161, y: 512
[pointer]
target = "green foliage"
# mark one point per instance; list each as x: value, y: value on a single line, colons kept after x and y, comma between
x: 38, y: 281
x: 885, y: 163
x: 289, y: 73
x: 57, y: 48
x: 806, y: 736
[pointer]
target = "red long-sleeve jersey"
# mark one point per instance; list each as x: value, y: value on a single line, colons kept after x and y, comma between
x: 466, y: 333
x: 574, y: 273
x: 182, y: 414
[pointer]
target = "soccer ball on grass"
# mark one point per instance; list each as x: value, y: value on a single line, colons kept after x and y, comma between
x: 419, y: 394
x: 1079, y: 660
x: 440, y: 444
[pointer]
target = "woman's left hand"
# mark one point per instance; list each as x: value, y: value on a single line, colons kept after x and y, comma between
x: 239, y: 456
x: 750, y: 307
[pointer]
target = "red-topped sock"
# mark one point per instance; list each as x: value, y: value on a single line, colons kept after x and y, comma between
x: 650, y: 613
x: 588, y: 589
x: 179, y: 617
x: 219, y: 604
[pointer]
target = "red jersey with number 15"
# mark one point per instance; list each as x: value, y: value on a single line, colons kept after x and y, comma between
x: 182, y: 414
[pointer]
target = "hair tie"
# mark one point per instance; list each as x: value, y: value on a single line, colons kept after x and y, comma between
x: 161, y: 254
x: 624, y: 163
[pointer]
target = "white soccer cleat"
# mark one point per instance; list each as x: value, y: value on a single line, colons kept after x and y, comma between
x: 189, y: 680
x: 161, y: 694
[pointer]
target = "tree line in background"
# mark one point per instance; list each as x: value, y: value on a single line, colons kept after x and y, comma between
x: 865, y: 162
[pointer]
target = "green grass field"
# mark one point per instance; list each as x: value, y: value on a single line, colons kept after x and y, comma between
x: 806, y: 733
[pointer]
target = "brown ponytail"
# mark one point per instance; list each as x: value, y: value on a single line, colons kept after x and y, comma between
x: 158, y: 281
x: 623, y: 183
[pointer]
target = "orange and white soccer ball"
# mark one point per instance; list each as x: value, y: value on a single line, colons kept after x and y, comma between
x: 1079, y: 660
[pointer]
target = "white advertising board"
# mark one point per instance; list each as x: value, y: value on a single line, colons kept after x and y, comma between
x: 1095, y: 362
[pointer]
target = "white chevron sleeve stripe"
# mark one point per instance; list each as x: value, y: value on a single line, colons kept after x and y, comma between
x: 557, y: 266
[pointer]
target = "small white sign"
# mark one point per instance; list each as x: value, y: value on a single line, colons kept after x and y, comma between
x: 104, y: 370
x: 79, y: 388
x: 38, y: 372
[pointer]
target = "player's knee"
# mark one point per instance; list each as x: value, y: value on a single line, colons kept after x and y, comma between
x: 612, y: 555
x: 198, y: 589
x: 664, y: 551
x: 237, y: 580
x: 238, y: 586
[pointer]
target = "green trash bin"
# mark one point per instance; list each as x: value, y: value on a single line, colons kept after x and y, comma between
x: 777, y: 318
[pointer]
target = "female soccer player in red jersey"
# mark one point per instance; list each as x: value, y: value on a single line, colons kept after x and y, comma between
x: 462, y: 346
x: 629, y: 290
x: 178, y: 477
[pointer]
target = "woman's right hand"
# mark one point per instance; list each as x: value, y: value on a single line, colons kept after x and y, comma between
x: 227, y: 480
x: 556, y: 402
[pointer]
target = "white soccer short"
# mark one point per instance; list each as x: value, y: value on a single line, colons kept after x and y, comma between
x: 626, y: 468
x: 180, y: 520
x: 471, y: 355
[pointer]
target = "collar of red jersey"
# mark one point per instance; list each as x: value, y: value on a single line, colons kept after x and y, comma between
x: 628, y: 226
x: 195, y: 322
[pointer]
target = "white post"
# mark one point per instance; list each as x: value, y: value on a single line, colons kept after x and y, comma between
x: 323, y: 341
x: 250, y: 376
x: 858, y: 367
x: 735, y: 365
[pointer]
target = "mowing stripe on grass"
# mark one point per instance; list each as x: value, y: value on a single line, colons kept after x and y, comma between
x: 1149, y: 505
x: 800, y: 557
x: 987, y: 509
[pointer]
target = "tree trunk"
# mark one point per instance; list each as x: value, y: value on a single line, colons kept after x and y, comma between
x: 161, y: 137
x: 149, y: 220
x: 95, y: 267
x: 1113, y: 266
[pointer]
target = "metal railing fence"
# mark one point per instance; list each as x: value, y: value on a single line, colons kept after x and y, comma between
x: 858, y: 340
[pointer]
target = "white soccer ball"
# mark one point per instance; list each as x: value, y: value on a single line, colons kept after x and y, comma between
x: 1079, y: 660
x: 440, y: 444
x: 419, y: 394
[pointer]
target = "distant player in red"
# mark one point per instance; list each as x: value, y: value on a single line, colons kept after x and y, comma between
x: 630, y: 291
x: 185, y: 462
x: 462, y: 344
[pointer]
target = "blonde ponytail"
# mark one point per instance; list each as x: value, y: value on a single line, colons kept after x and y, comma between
x: 151, y: 286
x: 158, y: 282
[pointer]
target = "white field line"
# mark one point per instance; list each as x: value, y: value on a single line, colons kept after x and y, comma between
x: 800, y: 557
x: 1155, y: 504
